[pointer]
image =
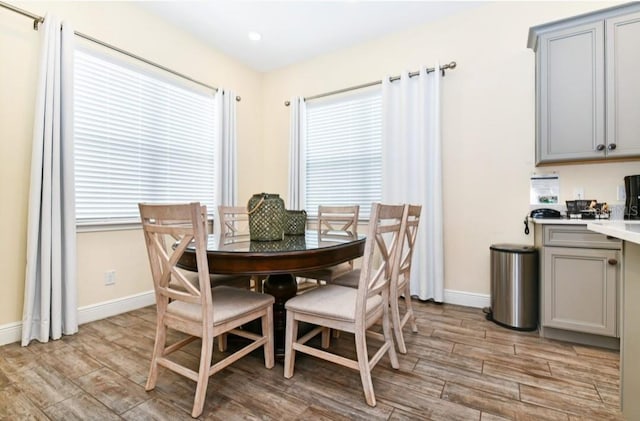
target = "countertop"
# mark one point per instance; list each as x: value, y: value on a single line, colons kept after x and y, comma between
x: 624, y: 230
x: 562, y: 221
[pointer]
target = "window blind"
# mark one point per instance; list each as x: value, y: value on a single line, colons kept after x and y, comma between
x: 139, y: 137
x: 343, y: 151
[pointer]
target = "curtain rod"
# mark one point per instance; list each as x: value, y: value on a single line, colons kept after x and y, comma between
x: 39, y: 19
x: 452, y: 65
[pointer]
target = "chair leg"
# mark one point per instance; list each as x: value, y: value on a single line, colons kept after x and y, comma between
x: 326, y: 337
x: 388, y: 338
x: 203, y: 376
x: 409, y: 305
x: 397, y: 323
x: 257, y: 283
x: 290, y: 336
x: 222, y: 342
x: 267, y: 330
x: 158, y: 347
x: 365, y: 369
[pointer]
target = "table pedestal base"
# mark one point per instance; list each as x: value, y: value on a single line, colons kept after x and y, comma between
x: 282, y: 287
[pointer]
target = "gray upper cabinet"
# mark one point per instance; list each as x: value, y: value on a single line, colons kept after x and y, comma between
x: 623, y: 85
x: 588, y: 86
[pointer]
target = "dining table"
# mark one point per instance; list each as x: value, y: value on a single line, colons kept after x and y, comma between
x: 279, y: 261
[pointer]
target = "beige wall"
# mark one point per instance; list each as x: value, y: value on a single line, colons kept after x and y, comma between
x: 488, y: 122
x: 488, y: 128
x: 125, y: 25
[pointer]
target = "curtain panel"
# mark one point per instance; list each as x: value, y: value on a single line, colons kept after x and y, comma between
x: 296, y: 153
x: 227, y: 174
x: 50, y: 300
x: 412, y: 169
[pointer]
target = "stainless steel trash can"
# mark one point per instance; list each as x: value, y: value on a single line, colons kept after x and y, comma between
x: 514, y: 286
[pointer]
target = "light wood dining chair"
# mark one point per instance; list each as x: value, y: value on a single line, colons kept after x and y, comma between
x: 234, y: 223
x: 196, y: 309
x: 400, y: 281
x: 335, y: 222
x: 234, y: 226
x: 353, y: 310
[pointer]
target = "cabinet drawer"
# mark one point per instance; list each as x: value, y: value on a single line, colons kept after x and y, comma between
x: 578, y: 236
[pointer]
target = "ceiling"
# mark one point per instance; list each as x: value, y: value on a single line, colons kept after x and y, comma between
x: 293, y: 31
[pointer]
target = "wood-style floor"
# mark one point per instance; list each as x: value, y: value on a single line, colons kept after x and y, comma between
x: 459, y: 367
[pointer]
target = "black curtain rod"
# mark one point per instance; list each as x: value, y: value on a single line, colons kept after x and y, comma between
x: 452, y: 65
x: 37, y: 20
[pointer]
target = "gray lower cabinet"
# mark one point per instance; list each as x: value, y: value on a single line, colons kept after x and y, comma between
x: 588, y: 86
x: 580, y: 277
x: 581, y: 290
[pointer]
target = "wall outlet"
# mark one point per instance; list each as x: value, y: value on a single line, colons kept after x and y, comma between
x: 110, y: 277
x: 621, y: 194
x: 578, y: 193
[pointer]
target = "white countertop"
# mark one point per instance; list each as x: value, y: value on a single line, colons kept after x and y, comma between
x: 624, y: 230
x: 560, y: 221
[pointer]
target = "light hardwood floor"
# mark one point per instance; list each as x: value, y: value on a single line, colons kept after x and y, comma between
x: 458, y: 367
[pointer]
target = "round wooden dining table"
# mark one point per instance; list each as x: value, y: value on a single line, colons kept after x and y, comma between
x: 279, y: 261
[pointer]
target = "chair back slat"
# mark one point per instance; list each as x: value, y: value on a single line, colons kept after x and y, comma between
x: 234, y: 223
x: 338, y: 220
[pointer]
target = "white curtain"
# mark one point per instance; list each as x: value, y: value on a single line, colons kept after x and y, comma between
x: 227, y: 188
x: 296, y: 147
x: 50, y: 297
x: 412, y: 170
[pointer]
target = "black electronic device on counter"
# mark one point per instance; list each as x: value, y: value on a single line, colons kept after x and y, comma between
x: 545, y: 213
x: 632, y: 191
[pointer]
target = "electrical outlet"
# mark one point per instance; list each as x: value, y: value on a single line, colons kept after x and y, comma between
x: 578, y: 193
x: 110, y: 277
x: 621, y: 194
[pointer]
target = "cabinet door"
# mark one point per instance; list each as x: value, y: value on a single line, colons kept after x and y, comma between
x: 571, y: 94
x: 623, y: 85
x: 580, y: 289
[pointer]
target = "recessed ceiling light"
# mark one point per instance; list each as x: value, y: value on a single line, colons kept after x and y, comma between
x: 254, y: 36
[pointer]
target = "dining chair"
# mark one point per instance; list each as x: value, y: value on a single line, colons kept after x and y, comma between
x: 353, y: 310
x: 234, y: 226
x: 400, y: 279
x: 218, y: 279
x: 196, y: 309
x: 334, y: 222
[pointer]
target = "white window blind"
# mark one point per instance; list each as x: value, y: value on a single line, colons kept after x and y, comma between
x: 139, y: 137
x: 343, y: 151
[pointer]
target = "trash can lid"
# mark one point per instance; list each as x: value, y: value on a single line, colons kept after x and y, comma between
x: 513, y: 248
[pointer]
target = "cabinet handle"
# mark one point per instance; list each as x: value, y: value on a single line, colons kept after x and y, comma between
x: 613, y: 261
x: 611, y: 146
x: 600, y: 147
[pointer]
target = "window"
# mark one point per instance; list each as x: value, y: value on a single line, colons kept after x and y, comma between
x: 139, y: 137
x: 343, y: 151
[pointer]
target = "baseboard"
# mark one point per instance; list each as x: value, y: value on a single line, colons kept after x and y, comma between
x: 467, y: 299
x: 12, y: 332
x: 114, y: 307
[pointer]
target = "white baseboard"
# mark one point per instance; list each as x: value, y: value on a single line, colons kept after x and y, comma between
x: 467, y: 299
x: 114, y: 307
x: 12, y: 332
